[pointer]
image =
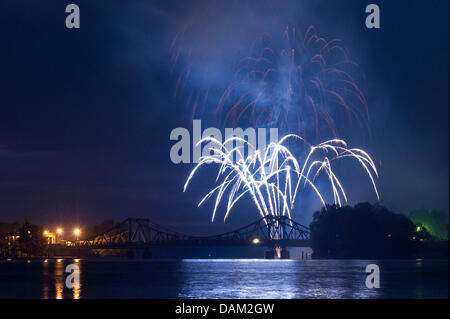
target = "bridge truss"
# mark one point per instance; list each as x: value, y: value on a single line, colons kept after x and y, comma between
x: 270, y: 231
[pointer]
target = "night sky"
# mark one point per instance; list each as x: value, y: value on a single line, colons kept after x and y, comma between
x: 85, y: 115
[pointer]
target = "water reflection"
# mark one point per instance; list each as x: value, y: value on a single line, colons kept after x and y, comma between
x: 45, y: 277
x: 77, y: 288
x: 227, y: 278
x: 54, y: 280
x: 274, y: 279
x: 59, y: 279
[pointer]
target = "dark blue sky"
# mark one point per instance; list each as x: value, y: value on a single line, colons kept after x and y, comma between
x: 85, y: 115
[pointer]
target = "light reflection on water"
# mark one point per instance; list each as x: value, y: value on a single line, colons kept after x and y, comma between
x: 54, y: 279
x: 285, y: 279
x: 223, y: 278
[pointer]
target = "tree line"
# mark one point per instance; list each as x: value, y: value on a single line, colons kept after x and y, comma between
x: 368, y: 231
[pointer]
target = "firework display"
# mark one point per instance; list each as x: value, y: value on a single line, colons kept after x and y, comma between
x: 274, y: 177
x: 236, y: 152
x: 302, y: 84
x: 298, y: 87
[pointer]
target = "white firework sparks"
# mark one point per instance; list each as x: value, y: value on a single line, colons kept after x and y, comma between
x: 273, y: 178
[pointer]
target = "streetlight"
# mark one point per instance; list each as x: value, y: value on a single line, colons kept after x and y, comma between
x: 46, y: 236
x: 77, y: 232
x: 256, y: 241
x: 59, y: 232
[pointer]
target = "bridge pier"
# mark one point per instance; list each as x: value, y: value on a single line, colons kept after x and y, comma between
x: 269, y: 254
x: 284, y: 254
x: 277, y: 252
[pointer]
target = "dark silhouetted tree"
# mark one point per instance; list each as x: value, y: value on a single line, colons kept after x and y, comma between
x: 31, y: 241
x: 363, y: 231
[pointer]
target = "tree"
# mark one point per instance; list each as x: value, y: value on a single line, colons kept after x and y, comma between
x: 7, y: 230
x: 363, y: 231
x: 32, y: 241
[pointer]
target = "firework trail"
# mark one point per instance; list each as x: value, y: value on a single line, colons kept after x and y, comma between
x: 196, y: 54
x: 300, y: 86
x: 181, y: 59
x: 273, y: 178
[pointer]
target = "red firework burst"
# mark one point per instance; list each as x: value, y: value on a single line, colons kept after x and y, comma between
x: 301, y: 87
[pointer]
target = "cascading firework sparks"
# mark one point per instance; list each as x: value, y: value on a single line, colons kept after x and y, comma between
x: 273, y: 177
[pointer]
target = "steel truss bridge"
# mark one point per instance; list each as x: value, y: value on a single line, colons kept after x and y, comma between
x: 270, y: 231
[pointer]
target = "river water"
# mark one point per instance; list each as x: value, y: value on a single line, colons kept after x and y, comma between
x: 224, y: 278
